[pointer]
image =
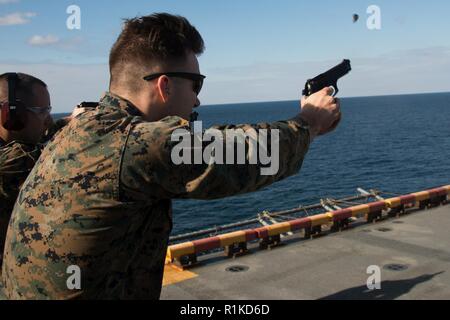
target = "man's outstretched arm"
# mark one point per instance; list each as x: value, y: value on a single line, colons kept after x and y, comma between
x: 160, y: 163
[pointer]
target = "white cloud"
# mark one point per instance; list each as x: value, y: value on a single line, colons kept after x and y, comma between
x: 38, y: 40
x: 68, y: 44
x: 16, y: 18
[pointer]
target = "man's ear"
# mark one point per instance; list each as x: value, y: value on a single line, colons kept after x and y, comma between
x: 164, y: 88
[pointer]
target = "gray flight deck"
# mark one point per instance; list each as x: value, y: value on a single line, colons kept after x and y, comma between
x: 416, y: 246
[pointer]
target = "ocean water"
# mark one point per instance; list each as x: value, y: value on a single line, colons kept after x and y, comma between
x: 397, y: 144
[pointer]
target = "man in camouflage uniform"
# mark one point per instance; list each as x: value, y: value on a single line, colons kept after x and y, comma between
x: 20, y: 149
x: 99, y: 198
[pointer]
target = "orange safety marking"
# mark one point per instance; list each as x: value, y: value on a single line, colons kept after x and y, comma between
x: 341, y: 214
x: 421, y: 196
x: 448, y: 189
x: 173, y: 274
x: 179, y: 250
x: 300, y: 224
x: 279, y: 228
x: 198, y: 246
x: 232, y: 238
x: 320, y: 219
x: 394, y: 202
x: 360, y: 210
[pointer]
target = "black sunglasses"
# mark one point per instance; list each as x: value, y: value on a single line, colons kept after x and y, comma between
x: 35, y: 110
x: 195, y: 77
x: 39, y: 110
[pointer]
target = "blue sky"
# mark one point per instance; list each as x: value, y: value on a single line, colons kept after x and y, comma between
x: 256, y: 50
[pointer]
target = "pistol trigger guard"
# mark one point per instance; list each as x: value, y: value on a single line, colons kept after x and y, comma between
x: 335, y: 91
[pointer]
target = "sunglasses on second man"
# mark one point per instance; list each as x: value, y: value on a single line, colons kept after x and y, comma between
x: 39, y: 110
x: 195, y: 77
x: 35, y: 110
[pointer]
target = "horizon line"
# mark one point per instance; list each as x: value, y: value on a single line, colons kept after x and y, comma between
x: 277, y: 101
x: 347, y: 97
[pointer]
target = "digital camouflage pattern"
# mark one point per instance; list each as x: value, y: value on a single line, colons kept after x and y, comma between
x: 16, y: 161
x: 100, y: 198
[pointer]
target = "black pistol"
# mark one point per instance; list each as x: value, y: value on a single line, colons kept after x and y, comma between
x: 328, y: 79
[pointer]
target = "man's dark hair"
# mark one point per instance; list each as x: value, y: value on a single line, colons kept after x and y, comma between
x: 24, y: 85
x: 160, y: 38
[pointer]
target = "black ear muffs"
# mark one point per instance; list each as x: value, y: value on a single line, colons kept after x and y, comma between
x: 12, y: 110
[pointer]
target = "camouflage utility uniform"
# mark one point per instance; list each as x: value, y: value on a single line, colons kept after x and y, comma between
x: 100, y: 198
x: 16, y: 161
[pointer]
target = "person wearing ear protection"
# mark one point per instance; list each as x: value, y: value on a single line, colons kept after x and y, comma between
x: 25, y: 125
x: 25, y: 116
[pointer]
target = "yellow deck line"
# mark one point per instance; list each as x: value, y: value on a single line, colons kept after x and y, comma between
x: 173, y: 274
